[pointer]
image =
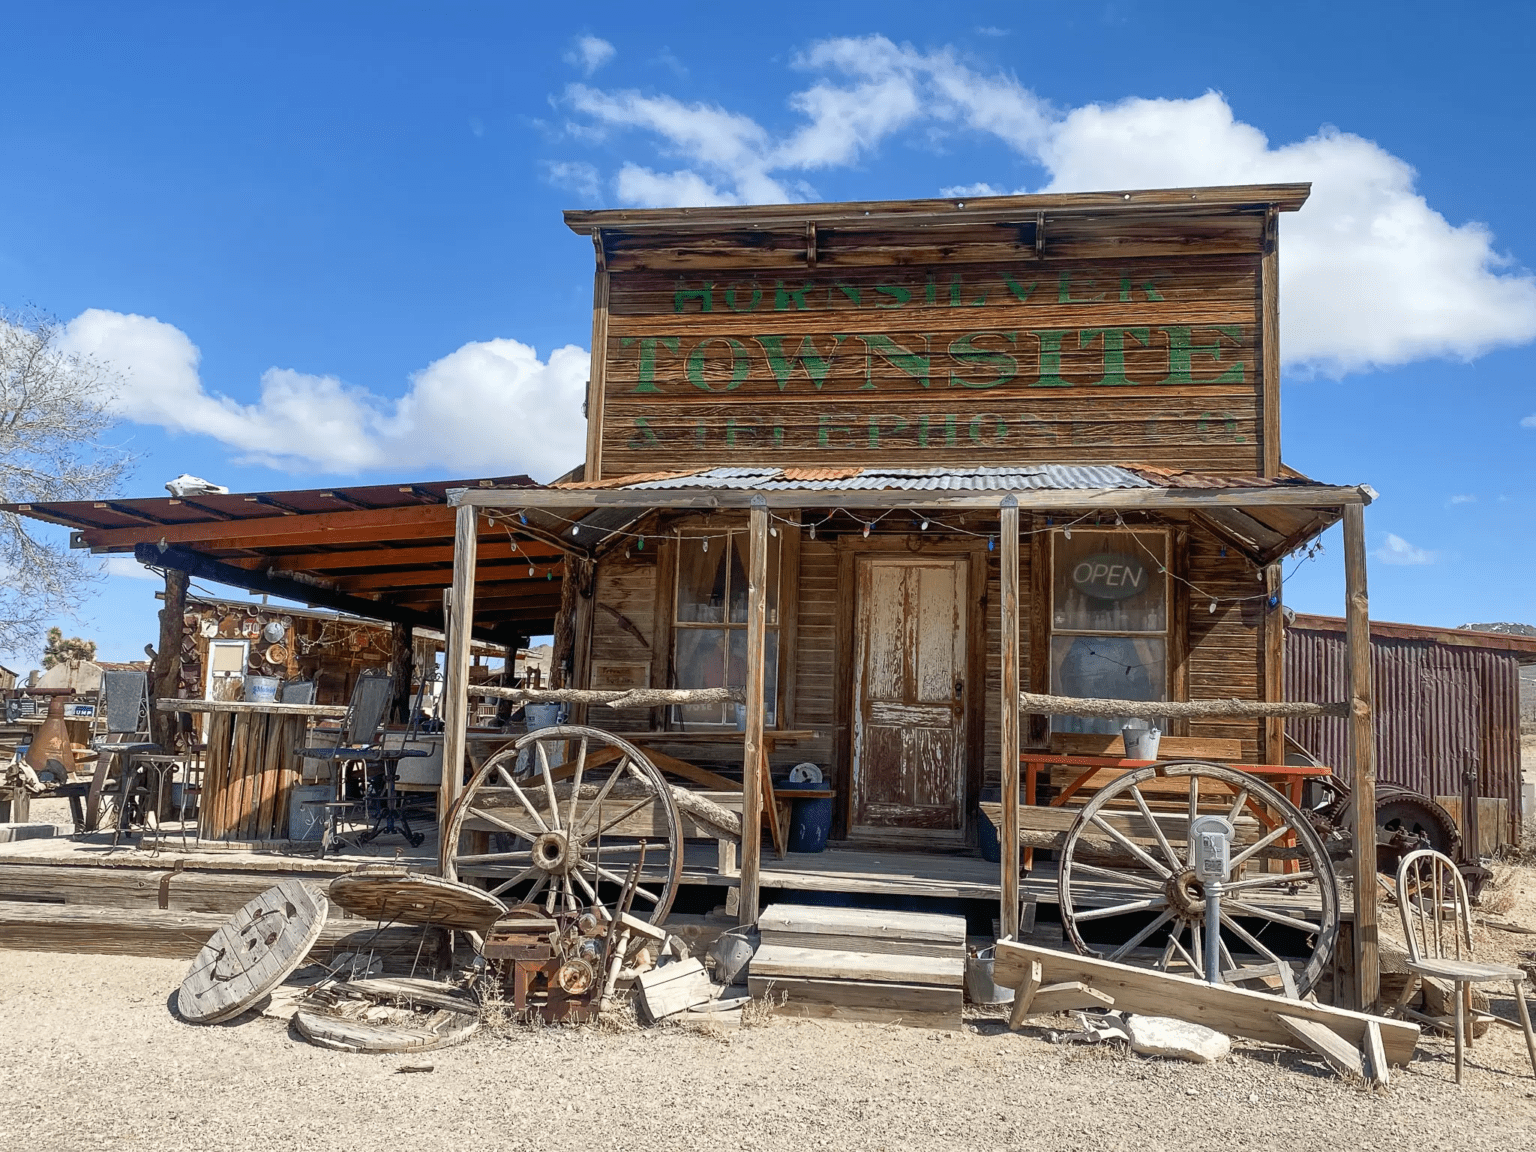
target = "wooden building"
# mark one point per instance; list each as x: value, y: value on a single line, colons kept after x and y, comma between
x: 885, y: 465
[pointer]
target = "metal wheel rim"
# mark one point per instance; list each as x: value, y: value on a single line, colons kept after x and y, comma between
x: 1322, y: 921
x: 587, y: 870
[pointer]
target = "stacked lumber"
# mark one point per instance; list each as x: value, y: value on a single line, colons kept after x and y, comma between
x: 861, y: 964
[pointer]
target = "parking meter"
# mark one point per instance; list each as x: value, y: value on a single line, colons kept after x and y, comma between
x: 1210, y: 850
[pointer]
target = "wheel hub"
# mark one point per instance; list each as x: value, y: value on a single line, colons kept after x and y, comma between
x: 1186, y: 895
x: 554, y: 853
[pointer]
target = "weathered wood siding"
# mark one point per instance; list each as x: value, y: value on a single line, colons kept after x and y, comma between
x: 1068, y: 358
x: 1225, y: 654
x: 624, y: 632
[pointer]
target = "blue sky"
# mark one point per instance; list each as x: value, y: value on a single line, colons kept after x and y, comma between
x: 310, y: 236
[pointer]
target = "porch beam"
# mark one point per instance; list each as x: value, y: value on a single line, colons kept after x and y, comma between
x: 456, y: 664
x: 1082, y: 499
x: 1362, y: 759
x: 1008, y: 534
x: 752, y: 751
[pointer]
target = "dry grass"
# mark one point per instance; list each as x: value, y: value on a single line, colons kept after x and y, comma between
x: 759, y: 1011
x: 1499, y: 896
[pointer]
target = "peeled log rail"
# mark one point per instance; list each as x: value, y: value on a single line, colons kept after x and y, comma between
x: 628, y: 698
x: 721, y: 820
x: 1172, y: 709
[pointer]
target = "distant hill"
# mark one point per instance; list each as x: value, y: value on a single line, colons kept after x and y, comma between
x: 1506, y: 628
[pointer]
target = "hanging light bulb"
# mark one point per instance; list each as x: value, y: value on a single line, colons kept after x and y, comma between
x: 924, y: 525
x: 523, y: 517
x: 642, y: 543
x: 867, y: 527
x: 706, y: 543
x: 1213, y: 607
x: 531, y: 572
x: 1068, y: 532
x: 813, y: 531
x: 991, y: 543
x: 550, y: 575
x: 575, y: 529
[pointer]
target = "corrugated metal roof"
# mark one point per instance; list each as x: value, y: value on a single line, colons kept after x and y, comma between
x: 1051, y: 476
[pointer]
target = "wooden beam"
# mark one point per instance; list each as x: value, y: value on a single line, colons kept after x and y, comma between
x: 456, y: 666
x: 167, y: 671
x: 206, y: 568
x: 1317, y: 496
x: 754, y: 760
x: 301, y: 536
x: 985, y: 209
x: 597, y: 373
x: 400, y: 651
x: 254, y: 531
x: 492, y: 547
x: 1362, y: 757
x: 487, y: 571
x: 1008, y: 704
x: 1272, y: 746
x: 1269, y: 344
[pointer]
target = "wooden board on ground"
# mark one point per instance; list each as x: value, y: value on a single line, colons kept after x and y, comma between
x: 411, y: 992
x: 1226, y: 1009
x: 251, y: 953
x: 387, y: 894
x: 863, y: 930
x: 922, y: 1004
x: 673, y: 988
x: 438, y: 1030
x: 1340, y: 1055
x: 778, y: 960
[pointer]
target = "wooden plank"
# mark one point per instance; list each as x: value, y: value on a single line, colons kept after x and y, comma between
x: 873, y: 923
x: 946, y: 1021
x: 1236, y: 1010
x: 754, y: 760
x: 1272, y: 660
x: 597, y: 375
x: 1071, y: 996
x: 1008, y: 688
x: 860, y: 993
x: 456, y: 661
x: 1339, y: 1054
x: 781, y: 960
x: 274, y: 531
x: 1168, y: 748
x: 1269, y: 343
x: 1024, y: 993
x: 1377, y: 1069
x: 1362, y: 758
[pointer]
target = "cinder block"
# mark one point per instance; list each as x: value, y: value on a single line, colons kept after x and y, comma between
x: 13, y: 832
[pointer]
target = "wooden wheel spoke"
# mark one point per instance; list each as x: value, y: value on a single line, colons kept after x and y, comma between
x: 1260, y: 844
x: 640, y: 890
x: 1146, y: 931
x: 507, y: 885
x: 1120, y: 909
x: 1197, y: 946
x: 494, y: 858
x: 1249, y: 938
x: 549, y: 783
x: 585, y: 887
x: 482, y: 814
x: 1267, y: 880
x: 1173, y: 938
x: 522, y: 798
x: 1237, y: 806
x: 1122, y: 877
x: 1276, y: 917
x: 1126, y: 843
x: 581, y: 764
x: 1162, y: 841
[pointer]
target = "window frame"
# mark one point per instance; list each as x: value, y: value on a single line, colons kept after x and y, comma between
x: 1166, y: 633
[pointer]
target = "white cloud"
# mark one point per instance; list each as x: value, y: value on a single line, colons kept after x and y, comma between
x: 124, y: 566
x: 591, y: 53
x: 574, y: 176
x: 981, y: 188
x: 1461, y: 499
x: 1371, y: 275
x: 491, y: 406
x: 1395, y: 550
x: 1528, y: 422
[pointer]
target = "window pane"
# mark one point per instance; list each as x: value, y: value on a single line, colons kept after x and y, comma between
x: 740, y: 545
x: 1109, y: 581
x: 701, y: 588
x: 1110, y: 667
x: 700, y: 664
x: 770, y: 671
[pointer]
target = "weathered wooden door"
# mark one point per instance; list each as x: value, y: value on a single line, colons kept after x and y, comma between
x: 909, y: 695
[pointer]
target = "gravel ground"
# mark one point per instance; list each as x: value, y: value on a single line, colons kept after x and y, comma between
x: 94, y: 1058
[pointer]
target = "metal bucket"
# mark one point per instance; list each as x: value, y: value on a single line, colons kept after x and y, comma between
x: 732, y: 952
x: 261, y: 689
x: 307, y: 813
x: 1141, y: 743
x: 979, y: 987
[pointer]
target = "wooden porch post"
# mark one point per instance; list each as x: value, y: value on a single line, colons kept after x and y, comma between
x: 1362, y: 757
x: 1009, y: 713
x: 752, y: 755
x: 167, y: 669
x: 456, y: 661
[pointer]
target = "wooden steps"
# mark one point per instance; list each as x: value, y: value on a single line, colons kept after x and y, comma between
x: 861, y: 964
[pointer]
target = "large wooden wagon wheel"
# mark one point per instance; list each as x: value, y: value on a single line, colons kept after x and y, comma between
x: 1128, y: 854
x: 565, y: 833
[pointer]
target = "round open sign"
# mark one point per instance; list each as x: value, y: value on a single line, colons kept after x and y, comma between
x: 1111, y: 576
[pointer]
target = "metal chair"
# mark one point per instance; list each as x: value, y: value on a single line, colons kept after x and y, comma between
x: 296, y: 692
x: 125, y: 700
x: 1437, y: 921
x: 358, y: 741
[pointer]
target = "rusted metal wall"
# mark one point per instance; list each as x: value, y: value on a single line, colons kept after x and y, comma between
x: 1439, y: 711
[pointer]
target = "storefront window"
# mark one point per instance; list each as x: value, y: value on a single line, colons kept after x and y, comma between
x: 710, y: 625
x: 1109, y: 620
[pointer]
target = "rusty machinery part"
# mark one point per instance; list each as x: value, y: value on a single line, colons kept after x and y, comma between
x: 576, y: 977
x: 1405, y: 820
x: 1128, y: 855
x: 566, y: 811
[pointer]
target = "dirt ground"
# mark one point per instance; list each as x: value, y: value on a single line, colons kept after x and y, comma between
x: 94, y: 1058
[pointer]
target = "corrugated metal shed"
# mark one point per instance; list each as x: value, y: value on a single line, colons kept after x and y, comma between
x: 1445, y: 700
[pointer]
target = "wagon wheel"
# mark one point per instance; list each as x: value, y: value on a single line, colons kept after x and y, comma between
x: 1132, y: 839
x: 565, y: 834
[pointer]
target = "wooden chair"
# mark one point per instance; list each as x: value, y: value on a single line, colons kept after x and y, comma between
x: 1437, y: 921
